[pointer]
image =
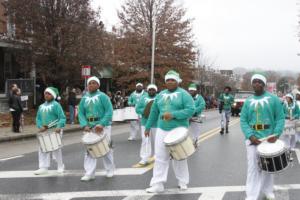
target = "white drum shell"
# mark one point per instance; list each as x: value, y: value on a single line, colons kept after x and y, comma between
x: 130, y: 114
x: 183, y: 147
x: 98, y: 148
x: 297, y: 125
x: 49, y: 141
x: 118, y: 115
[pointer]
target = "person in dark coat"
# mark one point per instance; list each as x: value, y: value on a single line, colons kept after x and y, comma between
x: 72, y: 104
x: 16, y: 109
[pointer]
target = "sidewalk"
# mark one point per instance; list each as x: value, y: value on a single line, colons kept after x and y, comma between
x: 30, y: 131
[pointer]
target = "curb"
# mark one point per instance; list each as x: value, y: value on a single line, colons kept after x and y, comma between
x: 31, y: 135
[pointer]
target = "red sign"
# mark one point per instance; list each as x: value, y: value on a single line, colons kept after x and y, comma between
x: 86, y: 71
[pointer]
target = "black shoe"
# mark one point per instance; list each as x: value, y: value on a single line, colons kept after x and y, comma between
x: 227, y: 130
x: 222, y: 131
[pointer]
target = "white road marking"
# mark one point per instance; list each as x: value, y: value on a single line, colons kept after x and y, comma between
x: 204, y: 191
x: 297, y: 151
x: 212, y: 196
x: 54, y: 173
x: 10, y: 158
x: 138, y: 197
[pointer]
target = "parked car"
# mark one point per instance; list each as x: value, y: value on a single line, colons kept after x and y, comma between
x: 239, y: 99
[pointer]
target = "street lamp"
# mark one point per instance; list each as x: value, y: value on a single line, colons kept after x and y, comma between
x: 153, y: 50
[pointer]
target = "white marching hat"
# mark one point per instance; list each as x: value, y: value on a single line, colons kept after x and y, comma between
x: 152, y: 86
x: 259, y: 77
x: 93, y: 78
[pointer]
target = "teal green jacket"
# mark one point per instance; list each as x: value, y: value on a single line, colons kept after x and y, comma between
x: 199, y: 104
x: 227, y: 99
x: 265, y: 109
x: 294, y: 109
x: 135, y: 97
x: 50, y: 112
x: 140, y: 107
x: 95, y: 105
x: 179, y: 103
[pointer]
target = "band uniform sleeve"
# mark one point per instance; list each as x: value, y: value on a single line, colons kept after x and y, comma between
x: 108, y: 110
x: 139, y: 107
x: 130, y: 100
x: 279, y: 118
x: 38, y: 119
x: 201, y: 106
x: 297, y: 112
x: 81, y: 114
x: 244, y: 121
x: 188, y: 108
x: 61, y: 116
x: 153, y: 116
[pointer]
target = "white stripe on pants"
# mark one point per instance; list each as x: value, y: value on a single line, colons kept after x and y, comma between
x: 146, y: 150
x: 44, y: 158
x: 161, y: 164
x: 90, y: 163
x: 194, y: 129
x: 257, y: 180
x: 135, y: 127
x: 225, y: 117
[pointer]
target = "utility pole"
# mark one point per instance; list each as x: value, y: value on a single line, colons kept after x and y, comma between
x: 153, y: 49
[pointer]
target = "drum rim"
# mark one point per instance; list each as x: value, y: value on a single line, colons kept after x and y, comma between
x: 101, y: 137
x: 178, y: 141
x: 284, y: 149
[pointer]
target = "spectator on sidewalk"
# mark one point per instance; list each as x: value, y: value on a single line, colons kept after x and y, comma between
x: 72, y: 104
x: 15, y: 108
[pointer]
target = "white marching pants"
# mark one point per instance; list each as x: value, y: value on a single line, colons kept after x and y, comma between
x: 135, y: 127
x: 44, y: 158
x: 297, y: 136
x: 225, y: 117
x: 147, y: 149
x: 90, y: 163
x: 162, y: 159
x: 257, y: 180
x: 194, y: 129
x: 289, y: 140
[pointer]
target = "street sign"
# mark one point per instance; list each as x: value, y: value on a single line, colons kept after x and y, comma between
x: 86, y: 71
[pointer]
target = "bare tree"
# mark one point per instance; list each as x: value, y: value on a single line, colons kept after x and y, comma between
x: 60, y: 36
x: 174, y: 41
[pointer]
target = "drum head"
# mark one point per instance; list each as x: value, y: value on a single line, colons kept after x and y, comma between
x: 92, y: 138
x: 176, y: 135
x: 267, y: 148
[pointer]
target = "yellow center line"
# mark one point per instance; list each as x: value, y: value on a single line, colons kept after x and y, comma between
x: 204, y: 137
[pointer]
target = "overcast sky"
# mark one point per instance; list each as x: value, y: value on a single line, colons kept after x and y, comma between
x: 238, y: 33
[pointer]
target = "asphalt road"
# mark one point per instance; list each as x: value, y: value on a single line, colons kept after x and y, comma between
x: 217, y: 170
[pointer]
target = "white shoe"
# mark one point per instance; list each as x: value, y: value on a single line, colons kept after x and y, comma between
x: 87, y: 178
x: 61, y: 169
x: 41, y: 171
x: 156, y: 188
x: 182, y: 186
x: 270, y: 196
x: 110, y: 173
x: 131, y: 138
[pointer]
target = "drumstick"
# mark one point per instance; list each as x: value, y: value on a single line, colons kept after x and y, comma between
x: 266, y: 138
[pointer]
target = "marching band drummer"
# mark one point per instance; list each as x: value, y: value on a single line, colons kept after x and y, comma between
x: 146, y: 151
x: 298, y: 104
x: 95, y: 114
x: 199, y: 106
x: 226, y: 100
x: 292, y: 112
x: 50, y: 115
x: 135, y: 125
x: 172, y: 108
x: 261, y: 116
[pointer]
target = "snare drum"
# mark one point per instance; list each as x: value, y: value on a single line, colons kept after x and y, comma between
x: 273, y: 157
x: 130, y: 114
x: 118, y: 115
x: 179, y: 143
x: 297, y: 126
x: 289, y: 127
x: 96, y: 145
x: 49, y: 141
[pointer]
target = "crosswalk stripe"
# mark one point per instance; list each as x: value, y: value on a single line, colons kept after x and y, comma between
x: 10, y: 158
x: 54, y: 173
x: 204, y: 191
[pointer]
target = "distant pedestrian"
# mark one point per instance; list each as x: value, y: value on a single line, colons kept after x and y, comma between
x: 118, y: 100
x: 15, y: 108
x: 225, y: 102
x: 72, y: 104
